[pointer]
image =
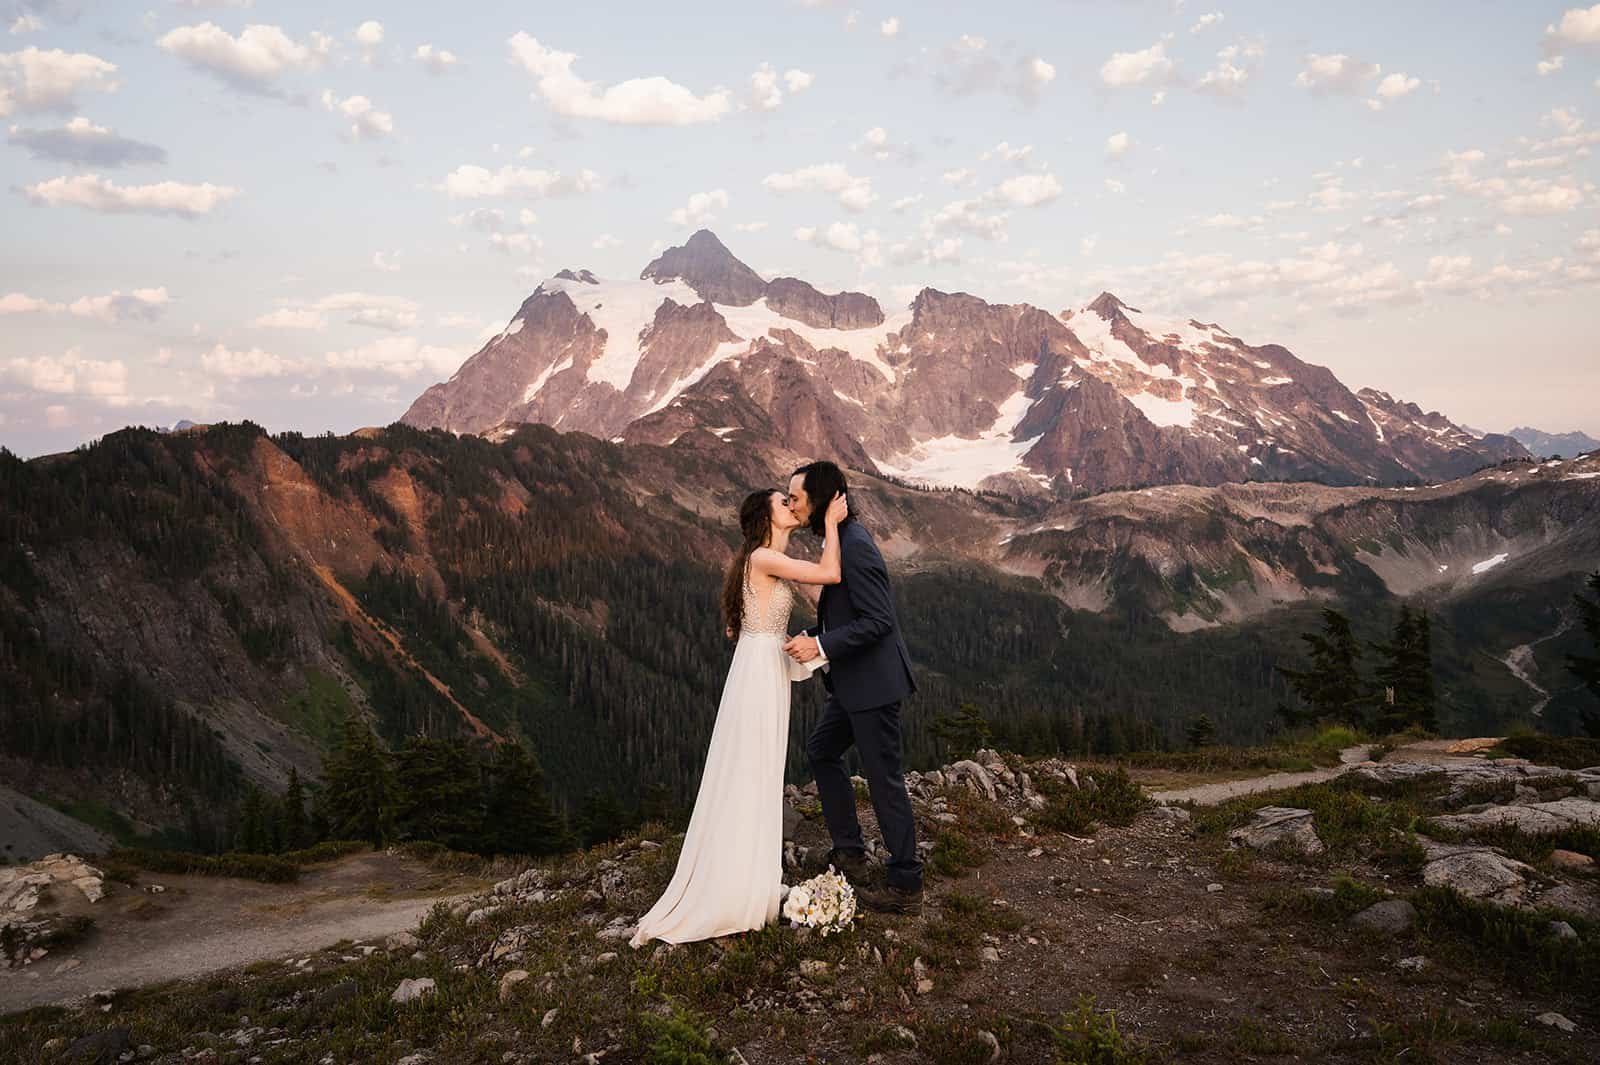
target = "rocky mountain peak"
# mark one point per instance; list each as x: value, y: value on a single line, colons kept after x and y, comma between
x: 706, y: 265
x: 585, y: 276
x: 1110, y: 307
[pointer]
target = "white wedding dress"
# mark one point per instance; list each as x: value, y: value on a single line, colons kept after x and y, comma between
x: 730, y: 873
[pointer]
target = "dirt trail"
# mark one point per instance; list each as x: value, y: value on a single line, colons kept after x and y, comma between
x: 202, y: 924
x: 1437, y: 752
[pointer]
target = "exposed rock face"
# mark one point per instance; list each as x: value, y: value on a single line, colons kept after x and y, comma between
x: 706, y: 265
x: 1279, y: 826
x: 797, y: 299
x: 953, y: 390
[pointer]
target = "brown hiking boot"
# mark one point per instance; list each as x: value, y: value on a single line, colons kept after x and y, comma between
x: 891, y: 899
x: 855, y: 865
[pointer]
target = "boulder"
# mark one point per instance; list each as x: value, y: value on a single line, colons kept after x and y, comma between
x: 1533, y: 818
x: 1478, y: 873
x: 1275, y: 826
x: 106, y: 1046
x: 1391, y: 917
x: 411, y: 990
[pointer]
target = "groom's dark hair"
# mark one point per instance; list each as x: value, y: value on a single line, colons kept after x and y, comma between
x: 823, y: 480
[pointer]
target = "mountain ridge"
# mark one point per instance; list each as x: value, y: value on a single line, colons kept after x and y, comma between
x: 950, y: 391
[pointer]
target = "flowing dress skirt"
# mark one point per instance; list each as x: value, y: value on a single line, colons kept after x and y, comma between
x: 729, y: 876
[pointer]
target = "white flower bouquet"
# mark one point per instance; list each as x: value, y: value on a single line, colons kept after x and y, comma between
x: 826, y: 902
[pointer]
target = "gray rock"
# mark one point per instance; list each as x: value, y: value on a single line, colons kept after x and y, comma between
x: 1391, y: 916
x: 1534, y: 818
x: 411, y: 990
x: 99, y: 1047
x: 1563, y: 930
x: 1573, y: 898
x: 976, y: 777
x: 1555, y: 1020
x: 1276, y: 826
x: 791, y: 821
x: 329, y: 997
x: 509, y: 981
x: 1413, y: 964
x: 1478, y: 873
x: 401, y: 941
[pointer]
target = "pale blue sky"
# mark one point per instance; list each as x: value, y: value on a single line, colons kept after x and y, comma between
x: 1402, y: 192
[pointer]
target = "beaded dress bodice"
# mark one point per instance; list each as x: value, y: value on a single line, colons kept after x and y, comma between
x: 774, y: 621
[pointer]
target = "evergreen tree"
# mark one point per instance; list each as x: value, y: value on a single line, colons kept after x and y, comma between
x: 1586, y: 667
x: 655, y: 804
x: 359, y: 793
x: 601, y: 818
x: 519, y: 817
x: 1405, y: 695
x: 1331, y: 688
x: 962, y: 733
x: 292, y: 827
x: 440, y: 793
x: 252, y: 835
x: 1201, y: 731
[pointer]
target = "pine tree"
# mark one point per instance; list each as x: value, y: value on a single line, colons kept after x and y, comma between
x: 519, y: 817
x: 360, y: 790
x: 252, y: 835
x: 1586, y: 667
x: 963, y: 732
x: 292, y: 827
x: 1405, y: 675
x: 1332, y: 688
x: 440, y: 793
x: 1201, y: 731
x: 601, y: 818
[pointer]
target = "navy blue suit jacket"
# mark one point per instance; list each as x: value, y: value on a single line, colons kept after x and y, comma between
x: 868, y: 664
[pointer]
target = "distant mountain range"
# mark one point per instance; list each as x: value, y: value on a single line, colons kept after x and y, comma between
x: 1547, y: 445
x: 950, y: 391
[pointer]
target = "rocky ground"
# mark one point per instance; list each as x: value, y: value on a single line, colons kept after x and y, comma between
x: 1438, y: 909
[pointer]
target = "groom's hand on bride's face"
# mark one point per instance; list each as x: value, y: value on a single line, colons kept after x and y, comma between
x: 801, y: 648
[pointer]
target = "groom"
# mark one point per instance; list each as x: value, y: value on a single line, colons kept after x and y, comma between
x: 867, y: 671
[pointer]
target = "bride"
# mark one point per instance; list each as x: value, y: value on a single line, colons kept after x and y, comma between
x: 729, y: 876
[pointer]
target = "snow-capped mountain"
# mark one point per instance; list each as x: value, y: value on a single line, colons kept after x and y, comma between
x: 951, y: 390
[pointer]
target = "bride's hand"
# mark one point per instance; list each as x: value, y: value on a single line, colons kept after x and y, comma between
x: 838, y: 510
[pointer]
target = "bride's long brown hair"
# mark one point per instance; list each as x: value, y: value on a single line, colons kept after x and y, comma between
x: 755, y: 522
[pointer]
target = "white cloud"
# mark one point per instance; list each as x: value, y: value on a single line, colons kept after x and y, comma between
x: 366, y: 121
x: 142, y: 304
x: 765, y: 92
x: 853, y: 193
x: 889, y: 27
x: 400, y: 356
x: 1206, y: 22
x: 1136, y: 68
x: 1087, y: 244
x: 222, y: 361
x: 369, y: 34
x: 1392, y: 87
x: 1566, y: 120
x: 966, y: 216
x: 1118, y: 144
x: 388, y: 262
x: 1028, y: 190
x: 905, y: 202
x: 970, y: 66
x: 1003, y: 150
x: 435, y: 60
x: 1578, y: 26
x: 252, y: 61
x: 33, y: 80
x: 959, y: 176
x: 1337, y: 73
x: 21, y: 303
x: 81, y: 141
x: 475, y: 183
x: 290, y: 318
x: 1546, y: 67
x: 355, y: 308
x: 26, y: 24
x: 1236, y: 64
x: 652, y: 101
x: 1115, y: 187
x: 700, y: 208
x: 71, y: 374
x: 750, y: 227
x: 845, y: 237
x: 94, y: 193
